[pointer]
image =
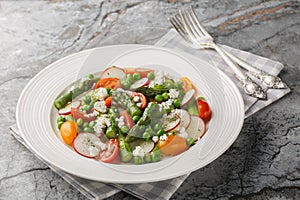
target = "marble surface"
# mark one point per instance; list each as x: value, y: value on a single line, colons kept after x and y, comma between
x: 263, y: 163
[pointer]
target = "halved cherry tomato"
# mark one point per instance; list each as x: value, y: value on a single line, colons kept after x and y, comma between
x: 76, y: 114
x: 68, y: 131
x: 107, y: 83
x: 142, y: 97
x: 204, y: 110
x: 187, y: 84
x: 111, y: 152
x: 127, y: 119
x: 142, y: 71
x: 173, y: 146
x: 108, y: 101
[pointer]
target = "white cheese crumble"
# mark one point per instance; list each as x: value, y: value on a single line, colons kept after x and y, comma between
x: 136, y: 99
x: 166, y: 104
x: 173, y: 93
x: 101, y: 123
x: 100, y: 106
x: 120, y: 121
x: 101, y: 93
x: 92, y: 114
x: 139, y: 104
x: 155, y: 138
x: 163, y: 137
x: 138, y: 151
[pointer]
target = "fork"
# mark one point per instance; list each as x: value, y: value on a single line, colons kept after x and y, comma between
x: 188, y: 26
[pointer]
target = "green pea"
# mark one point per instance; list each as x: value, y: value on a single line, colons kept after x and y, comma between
x: 124, y: 129
x: 176, y: 103
x: 169, y: 83
x: 69, y: 118
x: 159, y: 98
x: 137, y: 160
x: 85, y: 124
x: 155, y: 156
x: 90, y: 76
x: 190, y: 141
x: 170, y: 109
x: 147, y: 158
x: 86, y: 107
x: 92, y: 124
x: 125, y: 84
x: 79, y: 122
x: 146, y: 135
x: 136, y: 118
x: 136, y: 76
x: 165, y: 95
x: 160, y: 132
x: 130, y: 77
x: 59, y: 124
x: 157, y: 127
x: 88, y: 130
x: 61, y: 119
x: 150, y: 75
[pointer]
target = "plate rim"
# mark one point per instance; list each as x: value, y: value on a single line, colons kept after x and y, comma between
x: 135, y: 46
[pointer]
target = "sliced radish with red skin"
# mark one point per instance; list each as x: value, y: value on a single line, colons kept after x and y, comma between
x: 67, y: 109
x: 114, y: 72
x: 196, y: 128
x: 140, y: 83
x: 147, y: 146
x: 187, y: 97
x: 185, y: 118
x: 170, y: 122
x: 87, y: 145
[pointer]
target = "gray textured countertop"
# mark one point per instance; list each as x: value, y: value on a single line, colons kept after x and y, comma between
x: 263, y: 163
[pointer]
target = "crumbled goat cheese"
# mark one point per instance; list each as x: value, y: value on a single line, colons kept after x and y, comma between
x: 166, y: 105
x: 139, y: 104
x: 100, y: 106
x: 136, y: 99
x: 138, y: 151
x: 120, y: 121
x: 173, y: 93
x: 101, y: 123
x: 101, y: 93
x: 92, y: 114
x: 163, y: 137
x: 155, y: 138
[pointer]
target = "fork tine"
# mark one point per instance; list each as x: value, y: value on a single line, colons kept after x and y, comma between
x: 192, y: 24
x: 186, y: 25
x: 197, y: 21
x: 176, y: 24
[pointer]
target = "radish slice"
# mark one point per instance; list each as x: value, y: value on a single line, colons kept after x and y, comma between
x: 170, y: 122
x: 88, y: 145
x: 187, y: 97
x: 140, y: 83
x: 185, y: 118
x: 196, y: 128
x: 67, y: 109
x: 147, y: 146
x: 114, y: 72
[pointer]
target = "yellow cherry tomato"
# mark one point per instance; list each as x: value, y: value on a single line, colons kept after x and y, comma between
x: 68, y: 131
x: 174, y: 145
x: 186, y: 84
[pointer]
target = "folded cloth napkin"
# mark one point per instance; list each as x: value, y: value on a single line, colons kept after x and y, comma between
x: 165, y: 189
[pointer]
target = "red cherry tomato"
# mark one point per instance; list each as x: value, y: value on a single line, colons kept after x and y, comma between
x: 142, y: 97
x: 127, y: 119
x: 142, y: 71
x: 76, y: 114
x: 204, y: 110
x: 108, y: 101
x: 111, y: 152
x: 107, y: 83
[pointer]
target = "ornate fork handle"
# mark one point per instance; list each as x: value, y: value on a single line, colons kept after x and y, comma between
x: 251, y: 88
x: 268, y: 80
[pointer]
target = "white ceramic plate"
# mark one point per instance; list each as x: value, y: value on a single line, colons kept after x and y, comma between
x: 36, y: 120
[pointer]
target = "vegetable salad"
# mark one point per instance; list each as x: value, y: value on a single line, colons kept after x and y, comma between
x: 131, y: 115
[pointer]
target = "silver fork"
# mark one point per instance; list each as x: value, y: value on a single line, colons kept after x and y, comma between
x: 188, y: 26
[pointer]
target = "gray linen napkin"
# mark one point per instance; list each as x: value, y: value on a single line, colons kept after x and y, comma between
x: 165, y: 189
